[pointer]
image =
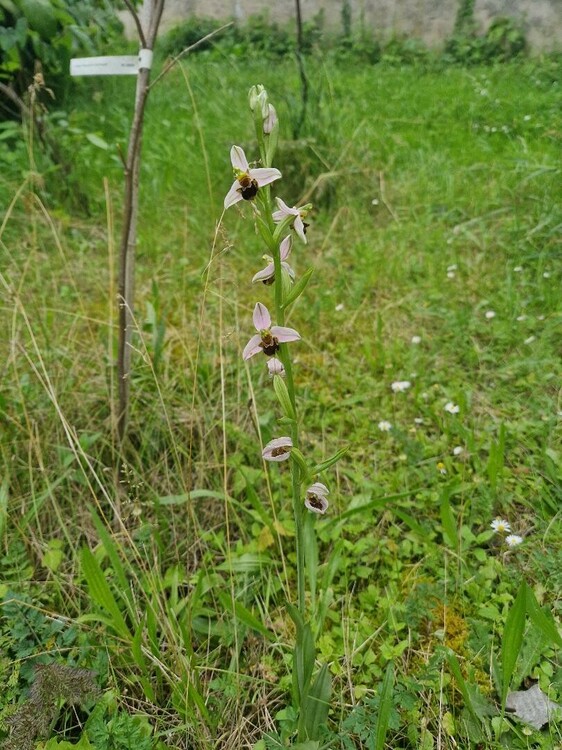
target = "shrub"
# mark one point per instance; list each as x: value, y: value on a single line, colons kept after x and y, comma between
x: 50, y: 32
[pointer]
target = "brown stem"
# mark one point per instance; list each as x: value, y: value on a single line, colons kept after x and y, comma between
x: 129, y: 231
x: 136, y: 19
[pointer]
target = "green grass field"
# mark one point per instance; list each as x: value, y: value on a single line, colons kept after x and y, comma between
x: 435, y: 243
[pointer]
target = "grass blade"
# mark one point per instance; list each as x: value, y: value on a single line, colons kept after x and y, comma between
x: 385, y: 707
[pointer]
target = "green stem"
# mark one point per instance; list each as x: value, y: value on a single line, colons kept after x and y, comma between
x: 285, y: 358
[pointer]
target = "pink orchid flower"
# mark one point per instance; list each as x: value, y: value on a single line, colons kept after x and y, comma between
x: 299, y: 213
x: 267, y: 274
x: 248, y: 181
x: 275, y: 367
x: 278, y: 449
x: 269, y: 337
x: 270, y: 120
x: 316, y: 498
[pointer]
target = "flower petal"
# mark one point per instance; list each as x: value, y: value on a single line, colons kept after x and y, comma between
x: 285, y: 247
x: 283, y: 212
x: 278, y: 449
x: 252, y: 347
x: 283, y: 335
x: 262, y: 318
x: 275, y: 367
x: 264, y: 175
x: 238, y: 159
x: 233, y: 196
x: 298, y: 226
x: 316, y: 503
x: 265, y: 274
x: 318, y: 489
x: 270, y: 120
x: 289, y: 270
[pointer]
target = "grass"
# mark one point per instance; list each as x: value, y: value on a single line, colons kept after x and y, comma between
x: 437, y: 200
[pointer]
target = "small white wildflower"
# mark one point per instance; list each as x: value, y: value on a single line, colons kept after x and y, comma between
x: 450, y: 274
x: 457, y: 450
x: 540, y: 317
x: 521, y: 318
x: 529, y: 340
x: 513, y: 540
x: 418, y: 420
x: 399, y: 386
x: 452, y: 267
x: 518, y: 269
x: 527, y: 118
x: 546, y: 275
x: 500, y: 526
x: 384, y: 426
x: 452, y: 408
x: 441, y: 468
x: 416, y: 339
x: 490, y: 314
x: 375, y: 202
x: 340, y: 307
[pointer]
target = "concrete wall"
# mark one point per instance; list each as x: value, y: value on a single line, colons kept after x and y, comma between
x: 429, y: 20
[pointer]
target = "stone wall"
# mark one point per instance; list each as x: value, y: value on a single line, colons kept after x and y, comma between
x: 429, y: 20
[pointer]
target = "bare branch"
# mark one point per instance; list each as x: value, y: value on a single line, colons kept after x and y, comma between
x: 136, y: 19
x: 9, y: 92
x: 169, y: 65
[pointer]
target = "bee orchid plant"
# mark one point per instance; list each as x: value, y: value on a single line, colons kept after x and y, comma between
x: 311, y: 686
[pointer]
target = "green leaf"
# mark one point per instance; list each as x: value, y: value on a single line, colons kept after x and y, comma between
x: 115, y: 559
x: 244, y: 615
x: 303, y: 663
x: 284, y: 399
x: 95, y: 140
x: 455, y: 668
x: 513, y: 638
x: 54, y: 555
x: 540, y: 618
x: 193, y: 495
x: 378, y: 502
x: 447, y: 520
x: 411, y: 522
x: 317, y: 704
x: 385, y: 707
x: 101, y: 593
x: 319, y: 468
x: 4, y: 487
x: 298, y: 288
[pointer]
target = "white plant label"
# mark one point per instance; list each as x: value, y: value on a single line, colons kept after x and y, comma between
x: 120, y: 65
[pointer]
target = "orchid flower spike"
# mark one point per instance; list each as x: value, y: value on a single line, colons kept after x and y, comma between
x: 248, y: 181
x: 299, y: 213
x: 267, y: 274
x: 316, y: 498
x: 278, y: 449
x: 269, y: 337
